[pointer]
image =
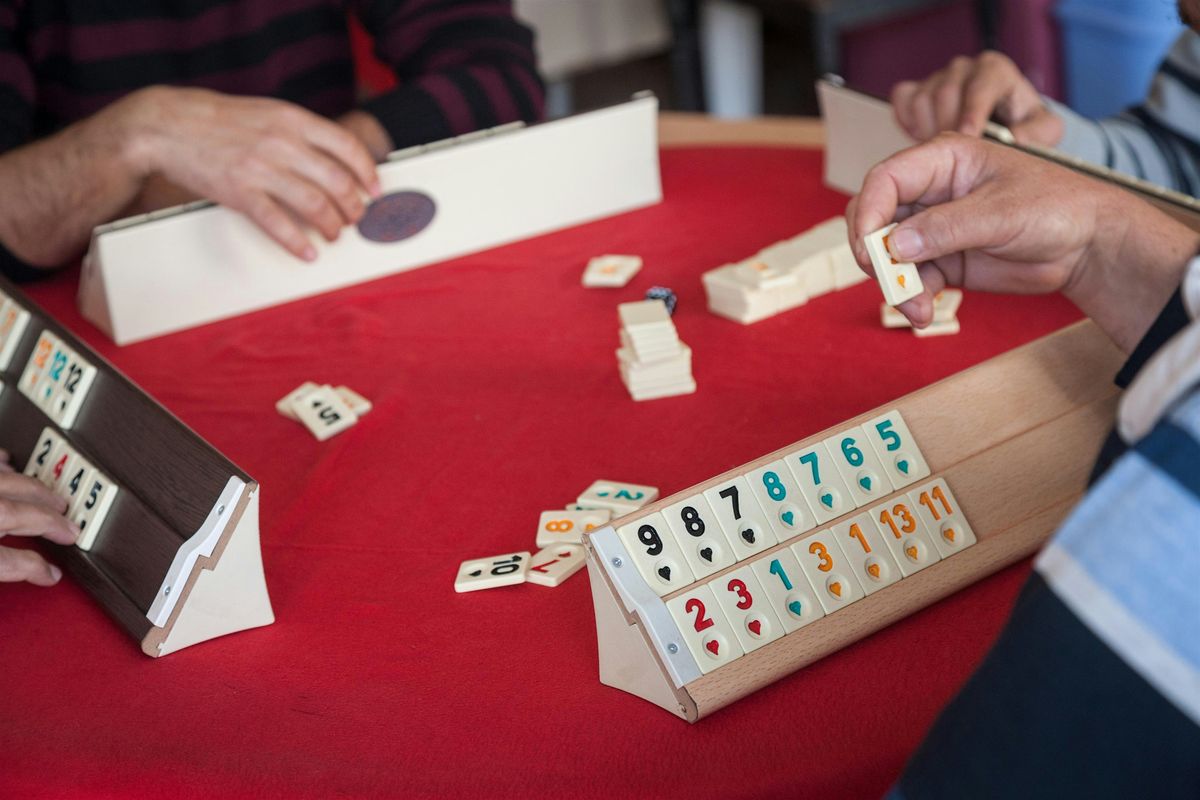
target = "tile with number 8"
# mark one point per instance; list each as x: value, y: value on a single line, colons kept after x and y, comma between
x: 787, y: 589
x: 896, y: 448
x: 939, y: 511
x: 656, y: 555
x: 867, y: 552
x: 820, y: 482
x: 906, y: 537
x: 744, y: 523
x: 859, y: 466
x: 568, y: 527
x: 747, y: 608
x: 705, y: 630
x: 828, y: 570
x: 699, y: 535
x: 781, y: 499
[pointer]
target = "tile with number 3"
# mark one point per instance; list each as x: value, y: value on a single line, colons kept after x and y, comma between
x: 828, y: 570
x: 747, y: 608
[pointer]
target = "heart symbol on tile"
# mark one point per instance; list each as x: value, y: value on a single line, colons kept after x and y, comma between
x: 836, y: 588
x: 948, y: 534
x: 564, y: 554
x: 865, y: 482
x: 900, y: 280
x: 795, y: 607
x: 873, y: 571
x: 748, y: 535
x: 902, y: 465
x: 788, y: 518
x: 706, y: 554
x: 911, y: 552
x: 713, y: 646
x: 664, y: 573
x: 755, y: 627
x: 476, y: 573
x: 827, y: 500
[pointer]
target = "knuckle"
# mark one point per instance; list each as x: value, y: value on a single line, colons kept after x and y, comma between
x: 960, y: 63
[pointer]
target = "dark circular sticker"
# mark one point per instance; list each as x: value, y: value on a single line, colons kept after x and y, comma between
x: 397, y: 216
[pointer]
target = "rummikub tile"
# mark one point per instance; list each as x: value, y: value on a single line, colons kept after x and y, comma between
x: 820, y: 481
x: 551, y: 566
x: 76, y: 482
x: 859, y: 465
x: 705, y: 630
x: 52, y: 376
x: 656, y: 554
x: 324, y: 413
x: 943, y: 518
x: 897, y: 449
x: 284, y: 404
x: 568, y: 527
x: 907, y: 538
x: 92, y: 508
x: 36, y: 365
x: 899, y: 280
x: 70, y: 461
x: 358, y: 404
x: 867, y: 552
x: 743, y: 522
x: 39, y: 460
x: 747, y: 608
x: 621, y: 498
x: 13, y: 321
x: 56, y: 463
x: 490, y: 573
x: 787, y: 589
x: 699, y: 535
x: 611, y: 271
x: 781, y: 499
x: 948, y: 328
x: 71, y: 395
x: 828, y: 570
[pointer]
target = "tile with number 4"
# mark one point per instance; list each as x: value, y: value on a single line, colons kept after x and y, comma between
x: 699, y: 535
x: 490, y: 573
x: 737, y: 512
x: 938, y: 509
x: 896, y: 448
x: 866, y: 552
x: 781, y: 500
x: 568, y: 527
x: 705, y: 630
x: 787, y: 589
x: 906, y: 536
x: 747, y: 608
x: 77, y: 480
x: 820, y: 482
x: 828, y: 570
x: 859, y: 465
x: 551, y: 566
x: 656, y: 554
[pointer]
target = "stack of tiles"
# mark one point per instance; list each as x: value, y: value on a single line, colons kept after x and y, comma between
x: 785, y: 275
x: 325, y: 410
x: 945, y: 315
x: 654, y: 363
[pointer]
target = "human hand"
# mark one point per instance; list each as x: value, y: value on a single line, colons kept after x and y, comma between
x: 28, y: 508
x: 275, y: 162
x: 965, y: 94
x: 987, y: 217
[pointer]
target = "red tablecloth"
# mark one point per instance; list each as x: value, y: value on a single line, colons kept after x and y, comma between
x: 496, y: 396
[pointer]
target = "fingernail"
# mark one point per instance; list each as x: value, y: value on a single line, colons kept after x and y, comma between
x: 55, y: 573
x: 905, y: 244
x: 310, y: 253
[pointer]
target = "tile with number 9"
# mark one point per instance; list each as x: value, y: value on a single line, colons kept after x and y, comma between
x: 819, y: 480
x: 656, y: 555
x: 938, y: 509
x: 828, y: 570
x: 896, y: 448
x: 781, y: 499
x: 859, y: 466
x: 705, y: 630
x: 699, y: 535
x: 744, y: 523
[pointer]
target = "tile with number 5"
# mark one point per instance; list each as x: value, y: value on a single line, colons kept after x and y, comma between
x: 819, y: 480
x: 744, y: 523
x: 781, y: 500
x: 938, y: 509
x: 896, y: 448
x: 787, y: 589
x: 705, y: 630
x: 747, y: 608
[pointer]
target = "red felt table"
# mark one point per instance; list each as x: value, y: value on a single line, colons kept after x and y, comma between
x: 496, y: 396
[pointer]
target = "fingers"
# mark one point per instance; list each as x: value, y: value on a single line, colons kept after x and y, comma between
x: 346, y: 148
x: 26, y: 565
x: 5, y: 461
x: 1043, y: 127
x: 990, y: 85
x: 28, y: 519
x: 901, y: 99
x: 948, y: 93
x: 337, y: 184
x: 274, y: 221
x: 24, y: 489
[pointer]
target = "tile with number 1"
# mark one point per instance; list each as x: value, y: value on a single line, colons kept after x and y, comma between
x: 787, y: 589
x: 867, y: 553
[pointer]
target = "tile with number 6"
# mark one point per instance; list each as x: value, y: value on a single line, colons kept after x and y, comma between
x: 905, y: 534
x: 828, y: 570
x: 939, y: 511
x: 737, y: 512
x: 705, y: 630
x: 896, y: 448
x: 699, y: 535
x: 781, y: 500
x: 867, y: 552
x: 656, y: 555
x: 787, y: 589
x: 819, y: 480
x: 747, y: 608
x: 859, y: 466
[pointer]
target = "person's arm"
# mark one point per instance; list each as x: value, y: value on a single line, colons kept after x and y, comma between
x: 983, y: 216
x: 28, y: 508
x: 461, y: 67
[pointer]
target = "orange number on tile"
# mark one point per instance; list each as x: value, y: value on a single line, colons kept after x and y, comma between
x: 937, y: 492
x: 745, y: 598
x: 818, y: 550
x: 43, y: 352
x: 560, y: 525
x: 701, y: 621
x: 856, y: 533
x: 900, y: 510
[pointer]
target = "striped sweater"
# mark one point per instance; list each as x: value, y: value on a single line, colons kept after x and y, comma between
x: 460, y: 64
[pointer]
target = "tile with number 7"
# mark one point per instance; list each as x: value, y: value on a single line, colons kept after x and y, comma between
x: 896, y: 448
x: 867, y: 553
x: 938, y: 509
x: 744, y: 523
x: 819, y: 480
x: 747, y: 608
x: 859, y: 466
x: 705, y: 630
x: 787, y: 589
x: 553, y: 565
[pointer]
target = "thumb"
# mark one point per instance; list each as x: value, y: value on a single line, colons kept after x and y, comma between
x: 26, y: 565
x: 942, y: 230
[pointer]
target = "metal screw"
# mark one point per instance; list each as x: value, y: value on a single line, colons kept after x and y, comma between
x: 220, y: 510
x: 167, y: 590
x: 617, y: 562
x: 672, y: 648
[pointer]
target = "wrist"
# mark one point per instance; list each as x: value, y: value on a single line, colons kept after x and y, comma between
x: 136, y: 124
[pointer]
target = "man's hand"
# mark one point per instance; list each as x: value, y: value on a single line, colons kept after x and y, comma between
x: 28, y: 508
x: 987, y: 217
x: 275, y: 162
x: 965, y: 95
